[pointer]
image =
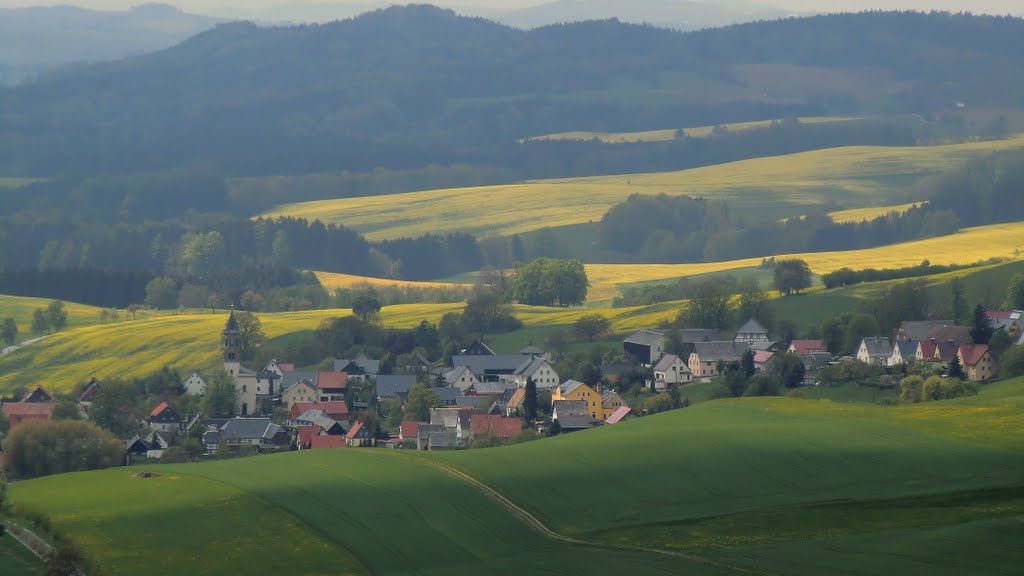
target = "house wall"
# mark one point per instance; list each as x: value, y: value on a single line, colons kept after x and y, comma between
x: 984, y: 370
x: 586, y: 394
x: 299, y: 393
x: 194, y: 385
x: 614, y: 403
x: 702, y: 369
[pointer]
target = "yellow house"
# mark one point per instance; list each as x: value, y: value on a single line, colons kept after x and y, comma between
x: 301, y: 391
x: 573, y: 390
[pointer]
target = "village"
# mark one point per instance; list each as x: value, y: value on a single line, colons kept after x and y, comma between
x: 481, y: 399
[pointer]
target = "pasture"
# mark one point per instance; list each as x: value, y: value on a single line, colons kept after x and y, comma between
x: 854, y: 177
x: 670, y: 134
x: 862, y: 214
x: 21, y: 308
x: 774, y: 485
x: 16, y: 560
x: 333, y: 281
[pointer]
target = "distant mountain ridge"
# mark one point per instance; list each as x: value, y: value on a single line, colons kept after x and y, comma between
x: 36, y: 39
x: 678, y: 14
x: 410, y: 86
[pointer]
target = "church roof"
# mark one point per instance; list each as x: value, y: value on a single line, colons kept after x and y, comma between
x: 232, y: 325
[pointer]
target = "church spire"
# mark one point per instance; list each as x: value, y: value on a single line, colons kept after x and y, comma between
x: 231, y: 339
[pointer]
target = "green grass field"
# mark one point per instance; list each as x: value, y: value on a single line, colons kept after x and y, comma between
x: 16, y: 560
x: 773, y: 485
x: 853, y: 177
x: 666, y: 135
x: 21, y: 308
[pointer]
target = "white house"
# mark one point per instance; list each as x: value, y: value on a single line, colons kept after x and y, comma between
x: 460, y: 377
x: 194, y: 384
x: 538, y: 369
x: 671, y: 370
x: 875, y: 350
x: 752, y: 332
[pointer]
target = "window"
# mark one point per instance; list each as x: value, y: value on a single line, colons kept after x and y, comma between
x: 243, y: 387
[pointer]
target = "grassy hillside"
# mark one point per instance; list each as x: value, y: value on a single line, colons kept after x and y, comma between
x: 775, y: 485
x: 21, y: 308
x: 854, y: 177
x: 670, y: 134
x: 16, y: 560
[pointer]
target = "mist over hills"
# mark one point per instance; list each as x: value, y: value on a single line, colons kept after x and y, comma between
x: 416, y: 85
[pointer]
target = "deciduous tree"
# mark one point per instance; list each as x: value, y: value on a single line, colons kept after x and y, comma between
x: 56, y: 315
x: 1015, y: 293
x: 40, y: 323
x: 591, y: 327
x: 9, y: 331
x: 220, y: 398
x: 419, y: 402
x: 792, y: 276
x: 41, y: 448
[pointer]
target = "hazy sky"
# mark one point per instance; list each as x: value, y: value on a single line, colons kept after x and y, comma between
x: 304, y: 9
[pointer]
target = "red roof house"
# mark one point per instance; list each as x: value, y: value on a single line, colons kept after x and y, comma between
x: 38, y: 394
x: 936, y: 351
x: 327, y: 442
x: 286, y: 367
x: 19, y: 412
x: 805, y: 347
x: 90, y: 392
x: 618, y: 415
x: 335, y: 410
x: 501, y: 426
x: 409, y: 430
x: 305, y: 434
x: 331, y: 380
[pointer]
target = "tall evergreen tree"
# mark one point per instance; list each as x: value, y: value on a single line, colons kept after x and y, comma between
x: 958, y: 306
x: 530, y: 401
x: 982, y: 329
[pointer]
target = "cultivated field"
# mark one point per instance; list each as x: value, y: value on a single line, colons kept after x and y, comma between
x: 192, y: 340
x: 854, y: 177
x: 666, y: 135
x: 770, y: 485
x: 965, y: 247
x: 21, y: 308
x: 862, y: 214
x: 331, y: 280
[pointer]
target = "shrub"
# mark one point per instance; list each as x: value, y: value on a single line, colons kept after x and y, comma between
x: 911, y: 388
x: 42, y: 448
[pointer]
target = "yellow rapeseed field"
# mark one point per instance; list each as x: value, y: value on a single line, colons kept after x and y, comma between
x: 856, y: 176
x: 965, y: 247
x: 191, y: 340
x: 862, y: 214
x: 331, y: 280
x: 665, y: 135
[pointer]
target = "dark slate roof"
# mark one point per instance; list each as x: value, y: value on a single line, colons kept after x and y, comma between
x: 478, y: 348
x: 530, y: 366
x: 394, y: 384
x: 249, y: 428
x: 502, y: 364
x: 878, y: 346
x: 232, y: 324
x: 646, y: 337
x: 292, y: 378
x: 472, y: 401
x: 958, y: 334
x: 566, y: 408
x: 752, y: 327
x: 692, y: 335
x: 919, y: 329
x: 715, y: 351
x: 908, y: 348
x: 445, y: 439
x: 316, y: 418
x: 569, y: 386
x: 446, y: 394
x: 575, y: 423
x: 357, y: 366
x: 531, y: 350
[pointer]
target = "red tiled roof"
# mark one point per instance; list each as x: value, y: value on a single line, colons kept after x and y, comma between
x: 89, y: 393
x: 971, y: 354
x: 501, y: 426
x: 517, y: 398
x: 160, y: 408
x: 305, y: 433
x: 354, y: 430
x: 934, y: 351
x: 335, y: 410
x: 286, y: 367
x: 618, y: 415
x: 327, y: 442
x: 331, y: 380
x: 762, y: 356
x: 999, y: 314
x: 409, y: 429
x: 18, y: 412
x: 805, y: 347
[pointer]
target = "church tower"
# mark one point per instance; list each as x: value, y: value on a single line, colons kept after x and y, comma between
x: 231, y: 342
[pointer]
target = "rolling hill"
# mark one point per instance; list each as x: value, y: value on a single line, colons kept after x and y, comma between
x: 671, y: 134
x: 770, y: 485
x: 855, y: 177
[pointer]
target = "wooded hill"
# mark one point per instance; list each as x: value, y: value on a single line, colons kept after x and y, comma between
x: 411, y: 86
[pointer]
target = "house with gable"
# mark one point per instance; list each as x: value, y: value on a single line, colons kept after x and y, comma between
x: 572, y: 390
x: 671, y: 369
x: 903, y: 352
x: 918, y: 330
x: 394, y: 385
x: 619, y: 415
x: 477, y: 348
x: 1010, y: 321
x: 166, y: 419
x: 319, y: 442
x: 537, y: 369
x: 611, y: 402
x: 646, y: 345
x: 752, y: 332
x: 261, y: 433
x: 36, y: 405
x: 763, y: 359
x: 977, y: 361
x: 302, y: 391
x: 332, y: 386
x: 89, y: 393
x: 335, y: 410
x: 327, y: 425
x: 359, y: 436
x: 875, y: 350
x: 937, y: 352
x: 460, y: 377
x: 950, y: 333
x: 38, y: 395
x: 806, y: 347
x: 704, y: 359
x: 194, y: 384
x: 359, y: 368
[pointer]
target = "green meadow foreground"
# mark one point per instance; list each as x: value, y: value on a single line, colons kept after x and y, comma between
x: 854, y: 177
x: 769, y: 485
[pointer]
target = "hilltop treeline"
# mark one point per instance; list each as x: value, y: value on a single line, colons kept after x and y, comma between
x: 408, y: 87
